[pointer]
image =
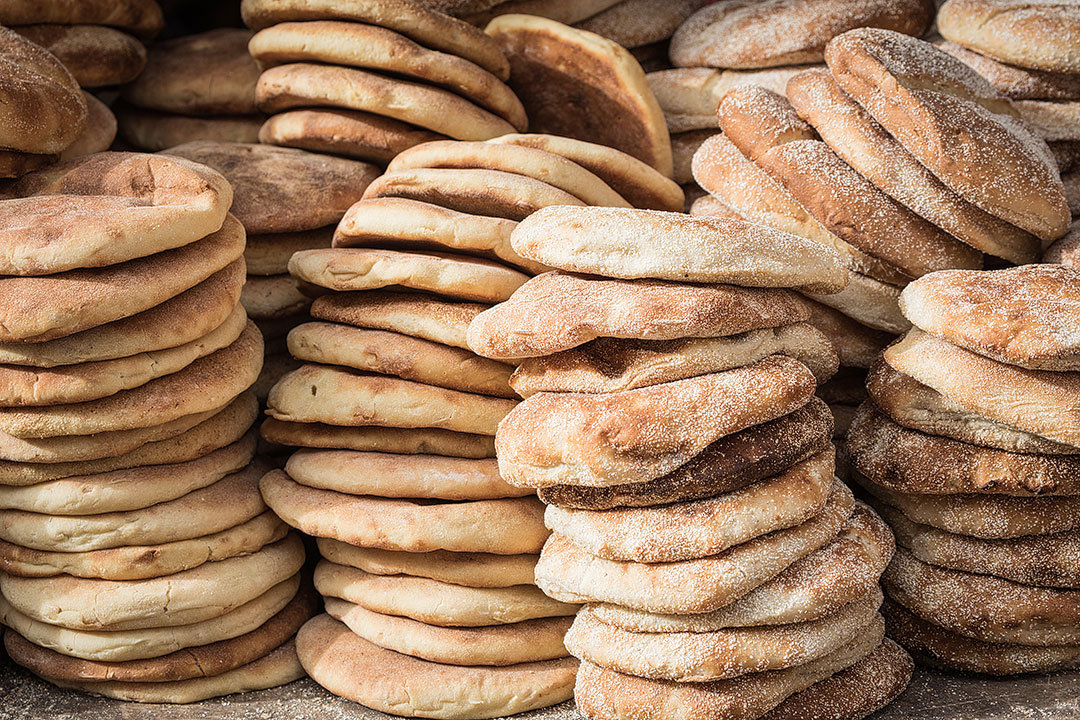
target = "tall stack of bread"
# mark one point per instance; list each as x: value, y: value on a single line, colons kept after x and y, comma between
x: 196, y: 87
x: 876, y: 157
x: 273, y: 191
x: 137, y: 558
x: 369, y: 80
x: 670, y: 423
x: 970, y: 445
x: 428, y: 555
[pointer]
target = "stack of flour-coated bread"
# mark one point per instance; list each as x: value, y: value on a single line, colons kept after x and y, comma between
x: 137, y: 558
x: 734, y: 43
x: 876, y: 156
x: 970, y: 446
x: 670, y: 424
x: 428, y: 554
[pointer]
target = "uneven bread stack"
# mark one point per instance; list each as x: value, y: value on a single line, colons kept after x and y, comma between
x: 971, y: 446
x: 670, y: 423
x: 101, y: 43
x: 369, y: 80
x: 849, y: 159
x: 42, y: 113
x: 197, y: 87
x: 273, y: 191
x: 138, y: 558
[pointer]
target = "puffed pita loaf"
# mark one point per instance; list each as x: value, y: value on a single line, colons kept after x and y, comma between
x: 96, y: 55
x: 610, y: 365
x: 733, y: 462
x: 273, y: 297
x: 632, y: 244
x: 454, y: 276
x: 152, y: 131
x: 351, y: 133
x: 698, y: 657
x: 551, y: 62
x: 910, y: 461
x: 228, y: 502
x: 691, y: 586
x: 390, y: 475
x: 643, y: 434
x: 215, y: 431
x: 430, y: 318
x: 344, y: 397
x: 140, y: 17
x: 398, y: 684
x: 1053, y: 120
x: 432, y: 29
x: 640, y: 183
x: 1021, y: 316
x: 1018, y: 83
x: 202, y: 661
x: 437, y: 603
x: 123, y: 645
x: 207, y: 591
x: 406, y: 441
x: 954, y: 122
x: 558, y: 311
x: 137, y: 562
x: 493, y: 645
x: 77, y: 300
x: 840, y: 572
x: 1026, y: 34
x: 468, y: 569
x: 506, y: 526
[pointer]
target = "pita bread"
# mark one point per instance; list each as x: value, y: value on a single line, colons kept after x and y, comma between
x: 695, y: 657
x: 1007, y: 31
x: 15, y: 164
x: 138, y: 562
x: 352, y: 133
x: 455, y: 276
x: 399, y: 684
x: 638, y: 182
x: 397, y: 222
x: 733, y: 462
x: 218, y: 429
x: 154, y: 131
x: 855, y: 344
x: 1018, y: 83
x: 208, y: 383
x: 140, y: 17
x: 269, y: 254
x: 23, y: 386
x: 320, y: 393
x: 421, y: 316
x: 96, y: 56
x: 123, y: 645
x: 607, y: 365
x: 228, y: 502
x: 405, y: 441
x: 409, y: 358
x: 700, y: 528
x: 202, y: 661
x: 273, y: 297
x: 552, y: 65
x: 76, y: 300
x: 431, y: 29
x: 509, y: 526
x: 635, y: 23
x: 389, y: 475
x: 99, y: 134
x: 107, y: 209
x: 632, y: 244
x: 437, y: 603
x: 606, y: 695
x: 842, y: 571
x: 643, y: 434
x: 567, y: 573
x: 468, y: 569
x: 207, y: 591
x: 539, y: 165
x: 496, y: 645
x: 558, y: 311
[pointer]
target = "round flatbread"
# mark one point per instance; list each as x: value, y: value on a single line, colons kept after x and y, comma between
x: 273, y: 297
x: 404, y: 441
x: 269, y: 254
x: 99, y: 134
x: 420, y: 316
x: 468, y: 569
x: 352, y: 133
x: 141, y: 17
x: 152, y: 131
x: 97, y: 56
x: 1026, y: 34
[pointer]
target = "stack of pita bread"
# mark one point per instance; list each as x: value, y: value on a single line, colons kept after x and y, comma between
x: 196, y: 87
x: 99, y: 41
x: 875, y: 157
x: 970, y: 446
x: 670, y: 423
x: 137, y: 558
x: 273, y: 189
x: 370, y: 79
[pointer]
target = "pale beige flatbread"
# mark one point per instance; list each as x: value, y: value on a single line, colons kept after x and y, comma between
x: 406, y: 441
x: 422, y: 316
x: 468, y: 569
x: 273, y: 297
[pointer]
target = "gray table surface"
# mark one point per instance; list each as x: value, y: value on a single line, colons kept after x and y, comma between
x: 931, y: 696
